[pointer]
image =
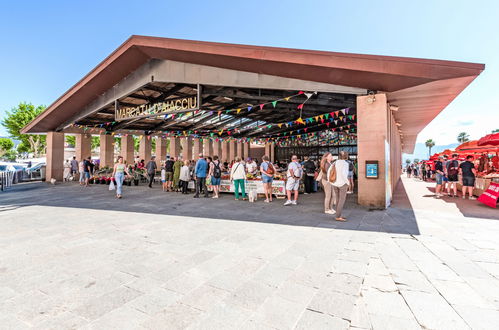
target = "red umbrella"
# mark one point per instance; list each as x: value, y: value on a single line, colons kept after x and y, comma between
x: 491, y: 139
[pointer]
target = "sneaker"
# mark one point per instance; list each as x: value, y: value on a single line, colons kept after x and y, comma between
x: 305, y: 193
x: 464, y: 197
x: 293, y: 202
x: 288, y: 202
x: 330, y: 212
x: 266, y: 201
x: 472, y: 198
x: 349, y: 192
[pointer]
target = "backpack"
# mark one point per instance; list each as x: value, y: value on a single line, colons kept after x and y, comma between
x: 332, y: 173
x: 270, y: 168
x: 453, y: 168
x: 217, y: 172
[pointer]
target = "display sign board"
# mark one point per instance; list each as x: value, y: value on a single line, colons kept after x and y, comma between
x: 490, y: 196
x: 175, y: 105
x: 372, y: 168
x: 278, y: 186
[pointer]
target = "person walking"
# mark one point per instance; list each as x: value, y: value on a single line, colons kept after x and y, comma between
x: 452, y: 172
x: 74, y: 167
x: 151, y: 170
x: 185, y: 177
x: 216, y: 175
x: 119, y: 172
x: 294, y: 174
x: 268, y: 171
x: 238, y: 176
x: 200, y: 171
x: 67, y: 170
x: 340, y: 184
x: 326, y: 161
x: 176, y: 173
x: 163, y: 177
x: 309, y: 168
x: 87, y: 169
x: 468, y: 172
x: 81, y: 168
x: 439, y: 176
x: 169, y: 173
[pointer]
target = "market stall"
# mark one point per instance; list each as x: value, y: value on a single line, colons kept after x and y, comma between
x: 254, y: 183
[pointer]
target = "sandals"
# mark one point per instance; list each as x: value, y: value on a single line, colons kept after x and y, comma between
x: 341, y: 219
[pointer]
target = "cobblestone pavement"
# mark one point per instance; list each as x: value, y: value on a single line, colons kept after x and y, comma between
x: 76, y: 258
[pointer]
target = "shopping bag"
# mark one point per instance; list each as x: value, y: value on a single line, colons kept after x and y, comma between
x: 111, y: 185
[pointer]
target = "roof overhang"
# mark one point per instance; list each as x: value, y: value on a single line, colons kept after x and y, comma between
x: 421, y: 88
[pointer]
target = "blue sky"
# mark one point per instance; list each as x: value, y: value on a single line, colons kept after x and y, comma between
x: 47, y: 46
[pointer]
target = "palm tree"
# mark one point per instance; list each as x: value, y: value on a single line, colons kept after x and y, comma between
x: 429, y: 144
x: 463, y: 137
x: 407, y: 161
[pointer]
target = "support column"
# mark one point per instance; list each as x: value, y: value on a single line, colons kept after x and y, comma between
x: 208, y: 148
x: 272, y: 152
x: 246, y: 146
x: 232, y: 150
x: 196, y: 148
x: 174, y: 147
x: 160, y: 150
x: 106, y: 152
x: 127, y: 149
x: 225, y: 151
x: 239, y: 149
x: 267, y: 150
x: 186, y: 148
x: 217, y: 149
x: 83, y: 146
x: 55, y: 156
x: 145, y: 148
x: 372, y: 144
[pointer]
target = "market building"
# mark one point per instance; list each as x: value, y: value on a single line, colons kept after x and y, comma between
x: 219, y: 98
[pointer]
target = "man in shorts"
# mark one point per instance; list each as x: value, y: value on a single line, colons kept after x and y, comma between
x: 452, y: 172
x: 468, y: 172
x: 294, y: 175
x: 439, y: 169
x: 169, y: 173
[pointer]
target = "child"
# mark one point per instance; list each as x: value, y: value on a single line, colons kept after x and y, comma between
x: 163, y: 178
x: 185, y: 176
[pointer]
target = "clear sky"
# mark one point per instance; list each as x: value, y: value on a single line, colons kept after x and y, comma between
x: 47, y: 46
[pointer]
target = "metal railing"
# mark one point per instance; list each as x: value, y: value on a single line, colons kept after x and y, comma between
x: 6, y: 179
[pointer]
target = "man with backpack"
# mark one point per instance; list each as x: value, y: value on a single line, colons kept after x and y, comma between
x: 215, y: 174
x: 268, y: 171
x: 452, y: 172
x: 294, y: 175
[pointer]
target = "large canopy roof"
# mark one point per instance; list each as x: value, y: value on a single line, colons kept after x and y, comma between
x: 421, y: 88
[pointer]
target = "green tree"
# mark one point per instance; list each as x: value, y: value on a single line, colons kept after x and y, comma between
x: 429, y: 144
x: 463, y: 137
x: 22, y: 147
x: 19, y: 117
x: 71, y: 140
x: 6, y: 144
x: 416, y: 160
x: 495, y: 131
x: 10, y: 155
x: 407, y: 161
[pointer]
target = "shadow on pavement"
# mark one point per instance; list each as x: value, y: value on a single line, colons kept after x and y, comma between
x: 141, y: 199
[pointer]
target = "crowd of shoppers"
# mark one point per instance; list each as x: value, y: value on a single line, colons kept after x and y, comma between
x: 446, y: 177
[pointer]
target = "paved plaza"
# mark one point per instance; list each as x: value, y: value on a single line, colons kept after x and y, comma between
x: 77, y: 258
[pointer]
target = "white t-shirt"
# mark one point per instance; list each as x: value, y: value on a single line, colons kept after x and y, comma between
x: 297, y: 170
x: 341, y: 173
x: 163, y: 174
x: 251, y: 167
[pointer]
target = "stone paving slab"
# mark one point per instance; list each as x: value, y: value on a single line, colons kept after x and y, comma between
x: 76, y: 258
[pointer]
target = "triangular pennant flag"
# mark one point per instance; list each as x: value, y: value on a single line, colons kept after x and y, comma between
x: 274, y: 103
x: 309, y: 95
x: 219, y: 113
x: 261, y: 106
x: 300, y: 92
x: 238, y: 110
x: 316, y: 118
x: 300, y: 121
x: 342, y: 111
x: 300, y: 106
x: 279, y: 125
x: 287, y: 98
x: 347, y: 110
x: 249, y: 109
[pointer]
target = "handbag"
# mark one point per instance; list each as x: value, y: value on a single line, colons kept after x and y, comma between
x: 319, y: 176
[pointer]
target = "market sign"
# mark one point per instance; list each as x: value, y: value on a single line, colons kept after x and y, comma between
x: 490, y: 196
x: 181, y: 104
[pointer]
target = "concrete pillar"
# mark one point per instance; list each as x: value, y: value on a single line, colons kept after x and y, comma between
x: 267, y: 150
x: 232, y: 150
x: 174, y: 147
x: 239, y: 149
x: 160, y: 150
x: 186, y: 148
x: 55, y: 156
x: 196, y: 148
x: 272, y: 152
x: 225, y: 152
x: 106, y: 152
x: 217, y: 149
x: 208, y: 148
x: 127, y: 148
x: 246, y: 146
x: 145, y: 148
x: 372, y: 144
x: 83, y: 146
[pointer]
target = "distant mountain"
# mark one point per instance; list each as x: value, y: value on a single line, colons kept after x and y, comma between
x: 421, y: 151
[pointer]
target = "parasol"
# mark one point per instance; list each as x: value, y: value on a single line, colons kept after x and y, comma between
x: 491, y: 140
